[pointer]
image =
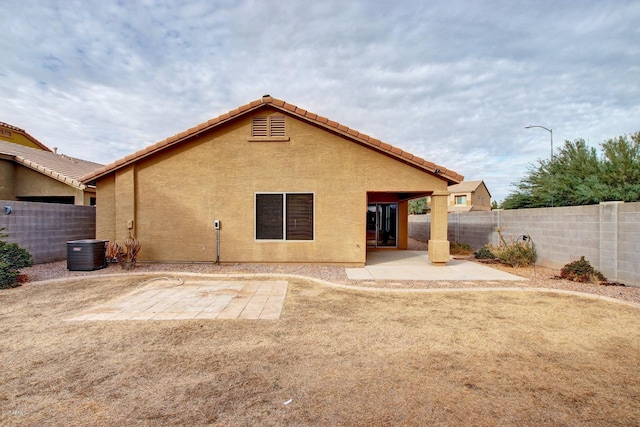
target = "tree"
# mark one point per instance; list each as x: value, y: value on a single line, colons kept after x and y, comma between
x: 576, y: 176
x: 417, y: 206
x: 621, y: 167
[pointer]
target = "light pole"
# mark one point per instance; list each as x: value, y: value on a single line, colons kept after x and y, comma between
x: 551, y: 161
x: 548, y: 130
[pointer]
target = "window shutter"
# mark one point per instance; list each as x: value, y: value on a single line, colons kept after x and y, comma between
x: 269, y: 216
x: 299, y: 216
x: 259, y: 126
x: 277, y: 126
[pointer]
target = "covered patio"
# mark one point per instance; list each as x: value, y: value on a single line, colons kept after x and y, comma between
x: 388, y: 223
x: 415, y: 265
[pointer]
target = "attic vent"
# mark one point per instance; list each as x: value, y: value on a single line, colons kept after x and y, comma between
x: 272, y: 126
x: 277, y: 126
x: 259, y: 126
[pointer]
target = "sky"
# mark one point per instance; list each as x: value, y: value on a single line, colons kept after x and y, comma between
x: 454, y: 82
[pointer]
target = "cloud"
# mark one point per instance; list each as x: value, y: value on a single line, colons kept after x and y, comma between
x: 453, y: 82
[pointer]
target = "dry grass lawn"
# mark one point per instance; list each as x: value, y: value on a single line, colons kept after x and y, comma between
x: 340, y: 357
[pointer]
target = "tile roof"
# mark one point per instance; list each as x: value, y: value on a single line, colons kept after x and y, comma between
x: 459, y: 208
x: 268, y: 101
x: 466, y: 187
x: 24, y: 132
x: 60, y: 167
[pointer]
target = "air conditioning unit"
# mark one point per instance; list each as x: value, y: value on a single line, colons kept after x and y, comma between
x: 86, y: 255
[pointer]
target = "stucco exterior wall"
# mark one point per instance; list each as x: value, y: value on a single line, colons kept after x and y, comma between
x: 17, y: 181
x: 106, y: 209
x: 480, y: 199
x: 18, y: 138
x: 7, y: 180
x: 174, y: 196
x: 29, y: 183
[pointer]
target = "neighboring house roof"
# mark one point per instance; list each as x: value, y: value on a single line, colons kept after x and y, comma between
x: 292, y: 110
x: 467, y: 187
x: 25, y: 134
x: 58, y: 166
x: 460, y: 208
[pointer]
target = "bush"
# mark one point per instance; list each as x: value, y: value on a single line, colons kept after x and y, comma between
x: 516, y: 253
x: 484, y: 253
x: 461, y: 248
x: 12, y: 259
x: 581, y: 271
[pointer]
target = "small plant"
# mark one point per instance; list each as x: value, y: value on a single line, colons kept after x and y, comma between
x: 461, y: 248
x: 581, y: 271
x: 484, y: 253
x: 124, y: 253
x: 516, y: 253
x: 12, y: 259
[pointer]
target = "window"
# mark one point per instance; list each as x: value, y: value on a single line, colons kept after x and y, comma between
x: 272, y: 126
x: 461, y: 200
x: 284, y: 216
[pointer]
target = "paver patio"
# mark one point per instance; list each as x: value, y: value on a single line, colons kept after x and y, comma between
x: 168, y: 299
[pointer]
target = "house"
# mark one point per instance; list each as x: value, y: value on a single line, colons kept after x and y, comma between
x: 469, y: 196
x: 38, y: 175
x: 269, y: 182
x: 19, y: 136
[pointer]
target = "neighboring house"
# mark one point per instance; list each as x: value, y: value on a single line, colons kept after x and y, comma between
x: 469, y: 196
x: 19, y: 136
x: 35, y: 175
x: 283, y: 185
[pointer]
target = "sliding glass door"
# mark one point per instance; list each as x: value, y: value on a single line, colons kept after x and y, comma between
x: 382, y: 225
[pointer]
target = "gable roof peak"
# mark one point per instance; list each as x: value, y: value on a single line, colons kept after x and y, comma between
x: 468, y: 186
x: 26, y: 135
x: 295, y: 111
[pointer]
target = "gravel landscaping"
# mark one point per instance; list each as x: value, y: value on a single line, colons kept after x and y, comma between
x: 539, y: 277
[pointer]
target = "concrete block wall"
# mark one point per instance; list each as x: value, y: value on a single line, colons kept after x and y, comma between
x: 561, y: 235
x: 472, y: 229
x: 628, y: 266
x: 45, y: 228
x: 607, y: 235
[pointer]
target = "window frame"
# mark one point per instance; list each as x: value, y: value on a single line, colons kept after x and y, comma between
x: 284, y: 195
x: 462, y: 196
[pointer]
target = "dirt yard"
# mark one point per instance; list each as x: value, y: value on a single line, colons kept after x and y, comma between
x: 335, y: 357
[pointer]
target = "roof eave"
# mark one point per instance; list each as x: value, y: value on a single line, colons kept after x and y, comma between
x: 50, y: 173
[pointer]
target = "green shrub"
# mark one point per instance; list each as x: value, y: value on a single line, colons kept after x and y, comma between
x: 457, y: 248
x: 12, y: 259
x: 581, y: 271
x: 484, y: 253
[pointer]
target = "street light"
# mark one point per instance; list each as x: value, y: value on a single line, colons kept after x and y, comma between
x: 551, y: 161
x: 548, y: 130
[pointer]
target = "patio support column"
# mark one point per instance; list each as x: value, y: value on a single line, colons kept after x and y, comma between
x: 438, y: 244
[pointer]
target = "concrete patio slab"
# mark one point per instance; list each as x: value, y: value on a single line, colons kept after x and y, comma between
x: 195, y: 299
x: 415, y: 265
